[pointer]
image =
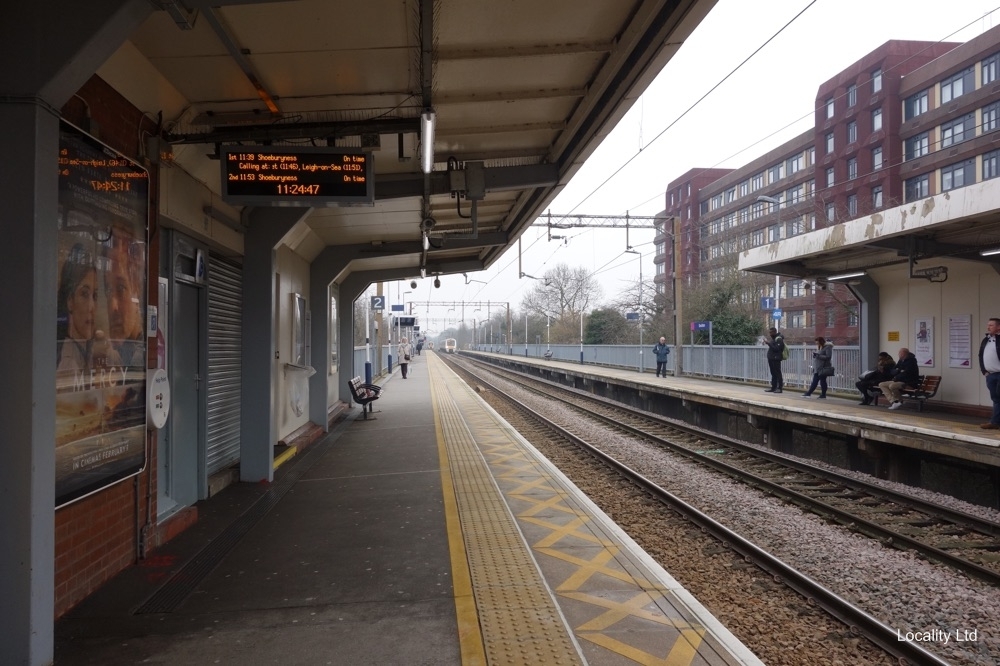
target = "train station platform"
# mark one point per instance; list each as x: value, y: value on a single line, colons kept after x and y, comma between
x: 429, y: 534
x: 710, y: 403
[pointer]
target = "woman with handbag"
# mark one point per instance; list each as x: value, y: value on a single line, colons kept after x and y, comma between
x: 405, y: 351
x: 822, y: 367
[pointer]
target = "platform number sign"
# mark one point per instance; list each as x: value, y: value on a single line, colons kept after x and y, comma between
x: 378, y: 303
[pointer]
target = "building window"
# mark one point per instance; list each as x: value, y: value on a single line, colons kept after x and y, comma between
x: 852, y: 132
x: 830, y: 180
x: 794, y: 228
x: 776, y: 173
x: 757, y: 238
x: 915, y: 105
x: 877, y: 197
x: 917, y: 146
x: 831, y: 317
x: 958, y: 130
x: 876, y: 81
x: 731, y: 195
x: 831, y: 212
x: 991, y: 116
x: 852, y: 205
x: 852, y: 168
x: 852, y: 95
x: 829, y: 143
x: 958, y: 175
x: 757, y: 181
x: 852, y: 317
x: 773, y: 233
x: 991, y: 68
x: 795, y: 288
x: 797, y: 319
x: 918, y: 187
x: 876, y: 120
x: 876, y: 158
x: 744, y: 188
x: 829, y: 108
x: 958, y: 84
x: 991, y: 164
x: 794, y: 164
x: 812, y: 155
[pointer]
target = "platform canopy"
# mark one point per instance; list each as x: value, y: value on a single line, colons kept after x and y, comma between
x: 963, y: 224
x: 521, y: 93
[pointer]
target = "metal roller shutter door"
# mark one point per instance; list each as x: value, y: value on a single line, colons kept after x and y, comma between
x: 225, y: 322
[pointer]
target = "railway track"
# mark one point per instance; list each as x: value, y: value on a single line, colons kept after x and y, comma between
x: 859, y: 622
x: 959, y: 540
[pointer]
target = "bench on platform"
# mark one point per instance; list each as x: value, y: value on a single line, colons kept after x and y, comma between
x: 927, y: 388
x: 364, y: 394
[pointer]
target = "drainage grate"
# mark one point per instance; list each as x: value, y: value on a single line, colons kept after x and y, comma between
x: 184, y: 581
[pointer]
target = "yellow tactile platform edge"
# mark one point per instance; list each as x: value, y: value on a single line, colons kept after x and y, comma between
x: 639, y: 621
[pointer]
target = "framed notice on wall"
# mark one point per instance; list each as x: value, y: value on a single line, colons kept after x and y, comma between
x: 101, y: 316
x: 923, y: 345
x: 960, y: 341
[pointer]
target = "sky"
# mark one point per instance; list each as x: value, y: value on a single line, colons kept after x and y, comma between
x: 704, y: 110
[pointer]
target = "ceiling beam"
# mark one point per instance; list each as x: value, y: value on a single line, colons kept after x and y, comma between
x: 279, y: 131
x: 538, y: 50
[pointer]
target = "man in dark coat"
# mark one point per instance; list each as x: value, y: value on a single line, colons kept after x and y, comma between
x: 775, y: 351
x: 907, y: 373
x: 989, y: 365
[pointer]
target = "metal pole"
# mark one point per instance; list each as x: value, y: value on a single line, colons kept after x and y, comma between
x: 678, y: 318
x: 581, y: 337
x: 641, y: 317
x: 526, y: 333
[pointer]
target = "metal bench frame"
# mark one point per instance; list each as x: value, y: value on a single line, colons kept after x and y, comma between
x: 927, y: 388
x: 370, y: 395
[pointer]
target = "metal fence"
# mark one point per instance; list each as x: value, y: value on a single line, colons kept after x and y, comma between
x: 740, y: 363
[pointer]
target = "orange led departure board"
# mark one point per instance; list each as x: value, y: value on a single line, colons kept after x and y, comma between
x: 296, y: 176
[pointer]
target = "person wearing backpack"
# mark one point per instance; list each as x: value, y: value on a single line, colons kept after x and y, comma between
x: 776, y: 353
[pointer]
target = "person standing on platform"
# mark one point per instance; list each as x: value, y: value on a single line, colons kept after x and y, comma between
x: 821, y: 361
x: 989, y: 364
x: 661, y: 351
x: 775, y: 354
x: 907, y: 373
x: 405, y: 351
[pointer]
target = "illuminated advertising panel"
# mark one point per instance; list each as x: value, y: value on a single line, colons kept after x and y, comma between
x: 101, y: 339
x: 296, y: 176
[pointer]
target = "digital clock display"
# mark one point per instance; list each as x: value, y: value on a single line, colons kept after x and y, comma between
x: 293, y: 176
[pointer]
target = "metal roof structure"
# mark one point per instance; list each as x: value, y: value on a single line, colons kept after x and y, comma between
x: 522, y: 92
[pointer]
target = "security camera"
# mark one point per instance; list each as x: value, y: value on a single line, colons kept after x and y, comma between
x: 413, y: 284
x: 437, y: 283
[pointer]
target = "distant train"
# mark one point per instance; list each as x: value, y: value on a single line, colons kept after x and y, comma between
x: 450, y: 345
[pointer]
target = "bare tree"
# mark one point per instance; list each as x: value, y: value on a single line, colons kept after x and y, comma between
x: 564, y: 292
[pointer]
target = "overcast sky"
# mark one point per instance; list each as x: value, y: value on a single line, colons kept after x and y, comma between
x: 765, y: 103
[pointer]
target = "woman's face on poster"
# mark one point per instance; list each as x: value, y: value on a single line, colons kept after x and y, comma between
x: 81, y: 306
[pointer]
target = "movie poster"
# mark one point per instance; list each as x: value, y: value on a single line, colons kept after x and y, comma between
x: 100, y: 340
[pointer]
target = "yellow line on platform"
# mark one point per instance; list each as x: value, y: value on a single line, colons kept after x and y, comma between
x: 285, y: 456
x: 469, y: 634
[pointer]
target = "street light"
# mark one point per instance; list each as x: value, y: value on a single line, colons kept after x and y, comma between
x: 777, y: 278
x: 641, y: 317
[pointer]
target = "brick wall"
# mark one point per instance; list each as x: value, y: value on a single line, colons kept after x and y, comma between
x: 97, y: 537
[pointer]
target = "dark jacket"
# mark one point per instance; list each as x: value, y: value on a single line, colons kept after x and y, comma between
x: 775, y: 347
x: 982, y: 348
x: 661, y: 352
x: 907, y: 371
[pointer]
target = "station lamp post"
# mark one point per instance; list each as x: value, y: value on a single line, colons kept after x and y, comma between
x: 777, y: 279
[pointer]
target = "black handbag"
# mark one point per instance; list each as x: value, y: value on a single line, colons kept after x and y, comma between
x: 827, y: 371
x: 406, y: 357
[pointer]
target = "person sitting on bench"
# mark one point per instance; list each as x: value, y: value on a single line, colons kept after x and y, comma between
x: 870, y: 380
x: 907, y: 373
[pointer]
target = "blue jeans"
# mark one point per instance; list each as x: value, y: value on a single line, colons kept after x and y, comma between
x: 818, y: 380
x: 993, y: 385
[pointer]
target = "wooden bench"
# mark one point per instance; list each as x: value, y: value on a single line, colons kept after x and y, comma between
x: 927, y: 388
x: 364, y: 394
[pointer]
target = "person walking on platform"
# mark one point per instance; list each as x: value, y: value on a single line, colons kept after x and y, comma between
x: 870, y: 380
x: 775, y: 354
x: 907, y: 373
x: 661, y: 351
x: 405, y: 351
x: 822, y: 367
x: 989, y: 364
